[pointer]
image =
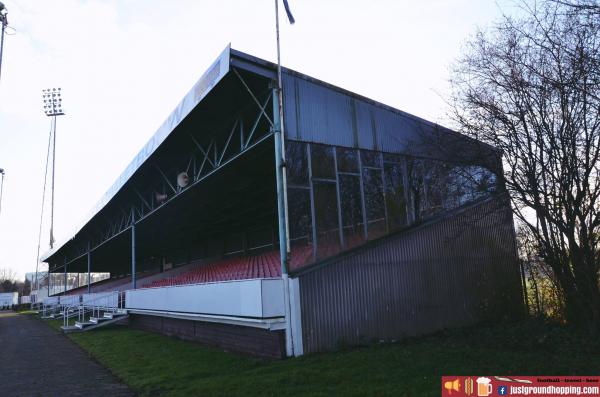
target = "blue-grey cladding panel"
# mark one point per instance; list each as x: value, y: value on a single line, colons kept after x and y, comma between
x: 319, y: 113
x: 452, y: 272
x: 290, y: 110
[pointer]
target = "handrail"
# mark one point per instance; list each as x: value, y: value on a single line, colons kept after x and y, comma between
x: 97, y: 305
x: 66, y: 314
x: 47, y: 307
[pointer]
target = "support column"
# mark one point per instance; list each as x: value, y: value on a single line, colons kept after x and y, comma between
x: 65, y: 290
x: 89, y: 263
x: 133, y: 281
x: 282, y: 217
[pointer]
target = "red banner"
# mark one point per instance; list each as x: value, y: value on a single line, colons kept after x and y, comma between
x: 483, y: 386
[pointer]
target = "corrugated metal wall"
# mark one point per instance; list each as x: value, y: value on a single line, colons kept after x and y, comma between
x: 320, y: 113
x: 451, y: 272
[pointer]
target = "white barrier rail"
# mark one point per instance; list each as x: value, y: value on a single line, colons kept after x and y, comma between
x: 49, y: 305
x: 69, y: 300
x: 257, y: 298
x: 51, y: 300
x: 107, y: 299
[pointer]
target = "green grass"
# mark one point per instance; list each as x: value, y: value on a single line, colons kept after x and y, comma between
x: 27, y: 311
x: 156, y: 365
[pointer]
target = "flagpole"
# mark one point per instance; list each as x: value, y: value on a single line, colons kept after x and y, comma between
x: 284, y: 248
x: 281, y: 126
x: 3, y: 24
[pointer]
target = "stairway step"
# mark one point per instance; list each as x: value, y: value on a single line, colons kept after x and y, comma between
x: 82, y: 325
x: 110, y: 316
x: 89, y: 325
x: 70, y: 328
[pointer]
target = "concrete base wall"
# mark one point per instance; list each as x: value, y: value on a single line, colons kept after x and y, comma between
x: 248, y: 340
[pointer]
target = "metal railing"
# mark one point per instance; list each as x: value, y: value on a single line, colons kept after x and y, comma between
x: 107, y: 302
x: 50, y: 308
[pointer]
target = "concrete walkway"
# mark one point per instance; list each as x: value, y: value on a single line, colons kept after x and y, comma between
x: 36, y: 360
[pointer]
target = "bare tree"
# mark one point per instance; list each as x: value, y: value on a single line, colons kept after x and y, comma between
x: 586, y: 6
x: 542, y: 293
x: 530, y: 86
x: 8, y: 280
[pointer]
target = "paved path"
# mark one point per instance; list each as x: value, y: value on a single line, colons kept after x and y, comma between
x: 36, y: 360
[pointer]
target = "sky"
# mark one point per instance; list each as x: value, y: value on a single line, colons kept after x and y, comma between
x: 124, y: 65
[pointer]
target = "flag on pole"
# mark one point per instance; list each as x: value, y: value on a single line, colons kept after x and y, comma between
x: 288, y: 12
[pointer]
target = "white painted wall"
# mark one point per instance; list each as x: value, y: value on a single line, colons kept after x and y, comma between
x: 39, y: 295
x: 8, y: 299
x: 259, y: 298
x: 107, y: 299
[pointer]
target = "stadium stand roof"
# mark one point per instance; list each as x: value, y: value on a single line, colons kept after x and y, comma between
x: 219, y: 90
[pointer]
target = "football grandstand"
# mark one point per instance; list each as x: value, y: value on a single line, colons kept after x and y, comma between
x: 358, y: 222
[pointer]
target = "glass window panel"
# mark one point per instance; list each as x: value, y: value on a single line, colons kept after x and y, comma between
x: 373, y: 187
x: 429, y: 187
x: 374, y: 204
x: 370, y: 158
x: 326, y: 216
x: 468, y: 183
x: 395, y: 196
x: 299, y: 214
x: 302, y: 253
x: 323, y: 165
x: 416, y: 184
x: 376, y: 228
x: 436, y: 184
x: 347, y: 160
x: 296, y: 163
x: 392, y: 158
x: 351, y: 206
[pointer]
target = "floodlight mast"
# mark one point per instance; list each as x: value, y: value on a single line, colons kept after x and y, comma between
x: 52, y: 98
x: 52, y: 108
x: 1, y: 187
x: 3, y: 25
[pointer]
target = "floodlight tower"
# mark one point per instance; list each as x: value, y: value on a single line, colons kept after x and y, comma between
x: 1, y: 186
x: 52, y: 108
x: 3, y: 24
